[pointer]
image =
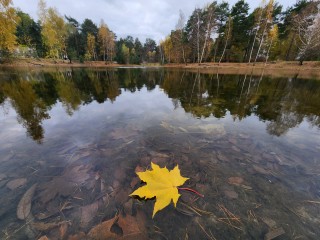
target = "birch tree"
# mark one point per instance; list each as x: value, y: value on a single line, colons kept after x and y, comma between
x: 106, y: 41
x: 110, y: 45
x: 210, y: 22
x: 258, y: 15
x: 199, y: 29
x: 167, y: 48
x: 273, y: 36
x: 103, y: 39
x: 308, y: 27
x: 54, y: 30
x: 8, y: 23
x: 179, y: 37
x: 227, y: 34
x: 91, y: 47
x: 266, y: 23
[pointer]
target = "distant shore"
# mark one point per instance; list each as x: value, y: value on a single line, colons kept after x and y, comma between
x: 281, y: 68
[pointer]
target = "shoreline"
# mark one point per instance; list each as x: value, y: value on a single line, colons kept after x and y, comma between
x: 307, y: 70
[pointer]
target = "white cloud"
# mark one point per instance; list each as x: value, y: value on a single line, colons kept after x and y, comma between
x: 140, y: 18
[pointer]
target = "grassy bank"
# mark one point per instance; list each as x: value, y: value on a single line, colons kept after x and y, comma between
x: 290, y: 69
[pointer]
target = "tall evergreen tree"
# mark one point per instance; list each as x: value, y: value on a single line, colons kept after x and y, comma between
x: 240, y: 31
x: 87, y: 27
x: 74, y: 38
x: 28, y: 33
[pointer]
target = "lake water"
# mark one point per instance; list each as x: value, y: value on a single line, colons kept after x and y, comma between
x: 72, y: 139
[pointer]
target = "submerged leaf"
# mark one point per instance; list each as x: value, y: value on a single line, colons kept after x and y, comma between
x: 162, y: 184
x: 16, y: 183
x: 24, y: 206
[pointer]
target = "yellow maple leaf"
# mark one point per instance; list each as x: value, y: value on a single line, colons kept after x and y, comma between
x: 162, y: 184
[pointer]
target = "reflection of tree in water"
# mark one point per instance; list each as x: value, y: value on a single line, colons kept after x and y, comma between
x: 2, y: 97
x: 283, y: 103
x: 135, y: 79
x: 297, y: 102
x: 30, y: 109
x: 283, y: 123
x: 69, y: 94
x: 33, y: 99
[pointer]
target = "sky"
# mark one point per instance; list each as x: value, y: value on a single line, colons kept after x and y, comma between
x: 139, y: 18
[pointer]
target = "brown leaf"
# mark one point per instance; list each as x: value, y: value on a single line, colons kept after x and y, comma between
x: 78, y: 236
x: 72, y: 177
x: 13, y: 184
x: 134, y: 182
x: 159, y: 160
x: 260, y: 170
x: 122, y: 195
x: 43, y: 238
x: 24, y: 206
x: 235, y: 180
x: 128, y: 207
x: 41, y: 226
x: 274, y: 233
x: 119, y: 174
x: 139, y: 169
x: 270, y: 223
x: 88, y: 213
x: 123, y: 133
x: 222, y: 157
x: 132, y: 227
x: 63, y: 230
x: 145, y: 161
x: 103, y: 230
x: 116, y: 184
x: 158, y: 155
x: 231, y: 194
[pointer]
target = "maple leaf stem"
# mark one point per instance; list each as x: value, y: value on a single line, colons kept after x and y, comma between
x: 192, y: 190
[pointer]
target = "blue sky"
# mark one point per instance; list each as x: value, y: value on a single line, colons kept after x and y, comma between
x: 139, y: 18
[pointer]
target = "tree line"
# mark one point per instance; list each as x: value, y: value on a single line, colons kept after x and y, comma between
x: 63, y: 37
x: 220, y: 33
x: 215, y: 33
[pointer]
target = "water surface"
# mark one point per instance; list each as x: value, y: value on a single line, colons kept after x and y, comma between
x: 250, y: 144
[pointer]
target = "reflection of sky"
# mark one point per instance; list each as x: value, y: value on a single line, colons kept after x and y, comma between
x: 9, y: 127
x: 304, y: 133
x: 139, y: 105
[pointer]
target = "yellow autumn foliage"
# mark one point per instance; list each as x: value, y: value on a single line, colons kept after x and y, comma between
x: 8, y: 23
x: 162, y: 184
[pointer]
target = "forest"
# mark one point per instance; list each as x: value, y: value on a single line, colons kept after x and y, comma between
x: 217, y: 32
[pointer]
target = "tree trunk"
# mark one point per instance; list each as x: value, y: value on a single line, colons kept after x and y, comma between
x: 254, y: 41
x: 267, y: 57
x: 255, y: 36
x: 182, y: 47
x: 290, y: 47
x: 198, y: 39
x: 216, y: 49
x: 225, y: 46
x: 207, y: 35
x: 260, y: 44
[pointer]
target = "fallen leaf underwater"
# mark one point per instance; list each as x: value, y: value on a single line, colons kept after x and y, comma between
x: 162, y: 184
